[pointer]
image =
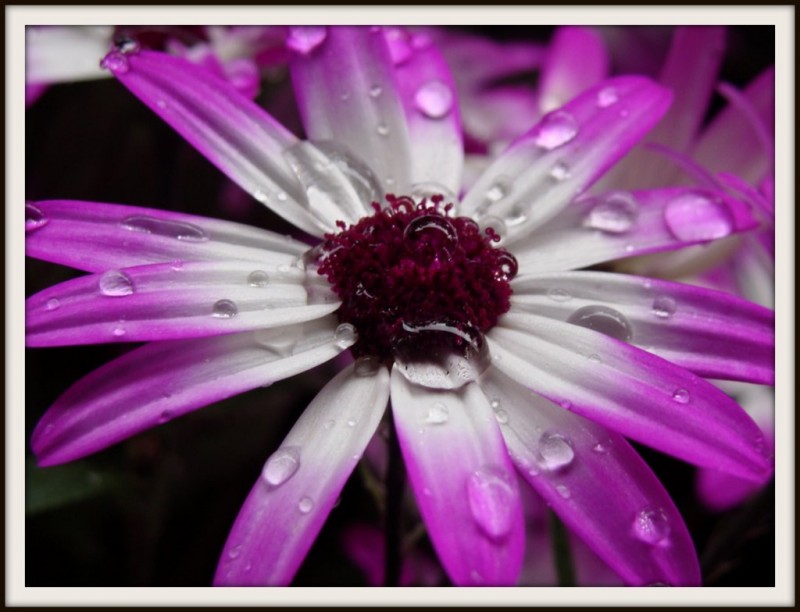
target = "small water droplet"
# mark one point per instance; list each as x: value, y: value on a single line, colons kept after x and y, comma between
x: 517, y: 215
x: 234, y: 552
x: 224, y: 309
x: 500, y: 188
x: 555, y: 130
x: 594, y: 358
x: 698, y: 217
x: 163, y: 227
x: 438, y: 414
x: 304, y: 39
x: 421, y: 41
x: 492, y: 496
x: 344, y: 96
x: 624, y: 113
x: 34, y: 218
x: 375, y: 91
x: 305, y: 505
x: 560, y: 171
x: 559, y: 295
x: 118, y: 332
x: 53, y: 304
x: 281, y: 466
x: 613, y: 213
x: 116, y: 62
x: 115, y: 283
x: 606, y: 97
x: 367, y: 366
x: 258, y: 278
x: 599, y: 449
x: 399, y: 46
x: 651, y: 526
x: 495, y: 404
x: 345, y: 335
x: 604, y: 320
x: 681, y: 396
x: 555, y: 450
x: 352, y: 422
x: 563, y: 491
x: 434, y: 100
x: 126, y: 44
x: 382, y: 129
x: 664, y: 307
x: 501, y: 416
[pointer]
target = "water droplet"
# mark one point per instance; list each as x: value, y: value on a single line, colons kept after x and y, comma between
x: 305, y: 505
x: 558, y: 295
x: 163, y: 227
x: 604, y: 320
x: 518, y: 214
x: 664, y: 307
x: 352, y: 422
x: 126, y: 44
x: 437, y: 414
x: 304, y: 39
x: 166, y: 415
x: 681, y: 396
x: 234, y: 552
x: 115, y: 283
x: 224, y: 309
x: 281, y: 466
x: 501, y: 416
x: 34, y: 218
x: 555, y: 451
x: 430, y: 238
x: 507, y: 266
x: 258, y: 278
x: 329, y: 424
x: 500, y: 189
x: 613, y: 213
x: 698, y: 217
x: 399, y: 46
x: 53, y: 304
x: 560, y: 171
x: 382, y: 129
x: 118, y: 332
x: 375, y: 91
x: 495, y: 404
x: 606, y: 97
x: 594, y: 358
x: 563, y: 491
x: 599, y: 449
x: 492, y: 498
x: 116, y: 62
x: 434, y: 99
x: 367, y: 366
x: 162, y: 104
x: 651, y: 526
x: 556, y: 129
x: 345, y: 335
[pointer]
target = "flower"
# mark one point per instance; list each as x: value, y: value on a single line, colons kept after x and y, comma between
x: 498, y: 359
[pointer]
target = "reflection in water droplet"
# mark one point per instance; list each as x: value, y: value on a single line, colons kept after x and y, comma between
x: 492, y: 497
x: 224, y: 309
x: 681, y: 396
x: 698, y: 217
x: 613, y: 213
x: 664, y: 307
x: 606, y: 97
x: 304, y: 39
x: 282, y: 465
x: 604, y: 320
x: 555, y: 451
x: 34, y: 218
x: 164, y: 227
x: 438, y: 414
x: 115, y: 283
x: 434, y: 100
x: 345, y: 335
x: 556, y: 129
x: 651, y: 526
x: 305, y: 505
x: 258, y: 278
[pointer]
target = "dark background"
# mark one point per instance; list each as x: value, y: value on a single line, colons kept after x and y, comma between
x: 155, y: 510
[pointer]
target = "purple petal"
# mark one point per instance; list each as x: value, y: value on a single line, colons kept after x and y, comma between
x: 234, y: 133
x: 624, y: 224
x: 463, y: 481
x: 597, y: 485
x: 347, y: 93
x: 560, y: 157
x: 630, y: 391
x: 713, y: 334
x: 170, y: 301
x: 301, y: 480
x: 96, y: 237
x: 576, y: 60
x: 162, y: 380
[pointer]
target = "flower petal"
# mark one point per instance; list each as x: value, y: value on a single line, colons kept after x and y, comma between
x: 233, y: 132
x: 560, y: 157
x: 162, y: 380
x: 346, y: 91
x: 96, y: 237
x: 579, y: 467
x: 713, y: 334
x: 301, y: 481
x: 171, y: 301
x: 630, y: 391
x: 463, y: 481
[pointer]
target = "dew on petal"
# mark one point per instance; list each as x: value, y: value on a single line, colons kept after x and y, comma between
x: 492, y: 498
x: 434, y: 100
x: 118, y: 332
x: 116, y: 62
x: 559, y: 295
x: 594, y: 358
x: 345, y: 335
x: 555, y: 450
x: 599, y: 449
x: 126, y: 44
x: 698, y: 217
x: 500, y: 188
x: 166, y: 415
x: 664, y: 307
x: 53, y: 304
x: 606, y: 97
x: 258, y: 278
x: 399, y: 46
x: 382, y: 129
x: 234, y: 552
x: 651, y: 526
x: 367, y: 366
x: 224, y: 309
x: 560, y: 171
x: 438, y: 414
x: 613, y: 213
x: 501, y: 416
x: 329, y: 424
x: 375, y: 91
x: 681, y: 396
x: 163, y: 227
x: 115, y: 283
x: 555, y: 130
x: 603, y: 319
x: 563, y: 491
x: 281, y: 466
x: 304, y: 39
x: 34, y: 218
x: 305, y: 505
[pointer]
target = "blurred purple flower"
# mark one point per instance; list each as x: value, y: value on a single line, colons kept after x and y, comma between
x: 428, y: 296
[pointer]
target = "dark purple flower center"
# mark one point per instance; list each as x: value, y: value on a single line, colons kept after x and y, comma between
x: 415, y: 281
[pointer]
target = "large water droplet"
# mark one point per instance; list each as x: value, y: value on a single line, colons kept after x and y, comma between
x: 698, y: 217
x: 34, y: 218
x: 438, y: 414
x: 492, y: 498
x: 664, y: 307
x: 304, y: 39
x: 116, y: 62
x: 345, y: 335
x: 115, y: 283
x: 556, y: 129
x: 434, y: 99
x: 224, y: 309
x: 163, y: 227
x: 360, y: 175
x: 613, y: 213
x: 604, y: 320
x: 305, y: 505
x: 606, y: 97
x: 281, y: 466
x: 555, y: 451
x: 651, y: 526
x: 258, y: 278
x: 681, y: 396
x: 430, y: 238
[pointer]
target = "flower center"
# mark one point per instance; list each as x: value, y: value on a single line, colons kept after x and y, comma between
x: 415, y: 281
